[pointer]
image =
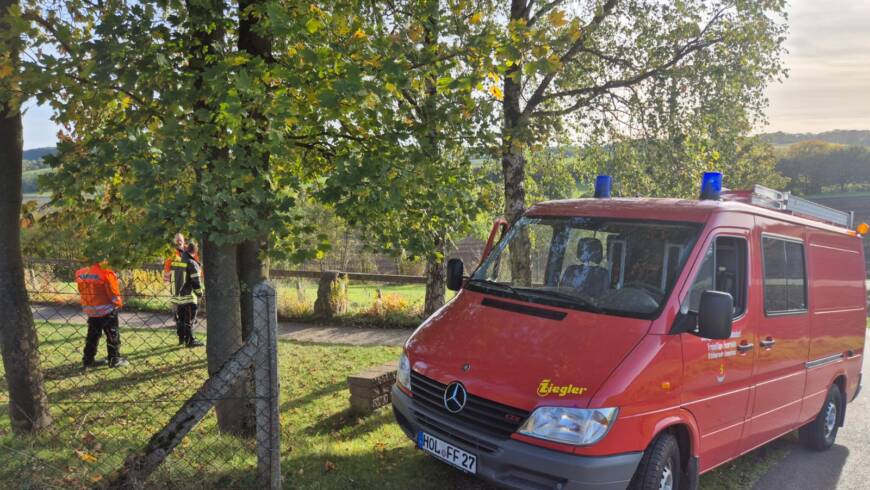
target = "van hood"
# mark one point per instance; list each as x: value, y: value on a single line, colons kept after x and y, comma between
x: 505, y: 351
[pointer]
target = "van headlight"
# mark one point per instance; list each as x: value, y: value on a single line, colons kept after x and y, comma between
x: 576, y: 426
x: 403, y: 375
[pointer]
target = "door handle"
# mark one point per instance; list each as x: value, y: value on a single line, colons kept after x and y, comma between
x: 744, y: 347
x: 768, y: 343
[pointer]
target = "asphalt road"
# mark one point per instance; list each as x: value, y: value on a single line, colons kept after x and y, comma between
x: 846, y: 466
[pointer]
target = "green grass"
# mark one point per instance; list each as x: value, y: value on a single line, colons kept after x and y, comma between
x: 101, y: 415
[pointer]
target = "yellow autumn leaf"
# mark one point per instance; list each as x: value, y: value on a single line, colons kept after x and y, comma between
x: 391, y: 87
x: 5, y: 70
x: 574, y: 31
x: 475, y: 18
x: 86, y: 456
x: 557, y: 18
x: 96, y: 478
x: 415, y: 32
x: 359, y: 34
x: 125, y: 102
x: 494, y: 77
x: 496, y: 92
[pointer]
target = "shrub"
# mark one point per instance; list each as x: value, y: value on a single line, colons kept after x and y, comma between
x: 389, y: 304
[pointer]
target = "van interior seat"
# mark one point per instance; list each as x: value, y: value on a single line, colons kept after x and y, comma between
x: 588, y: 276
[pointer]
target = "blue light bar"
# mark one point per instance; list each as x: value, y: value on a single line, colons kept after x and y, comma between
x: 711, y: 186
x: 603, y: 184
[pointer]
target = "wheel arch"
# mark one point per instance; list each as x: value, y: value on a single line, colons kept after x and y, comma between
x: 682, y: 426
x: 840, y: 382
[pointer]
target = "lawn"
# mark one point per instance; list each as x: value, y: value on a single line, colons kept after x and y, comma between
x: 101, y: 414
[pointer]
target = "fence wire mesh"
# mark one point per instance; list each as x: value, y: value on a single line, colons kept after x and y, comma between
x: 103, y: 415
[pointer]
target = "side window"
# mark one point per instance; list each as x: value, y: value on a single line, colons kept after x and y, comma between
x: 797, y: 276
x: 703, y: 281
x: 723, y: 269
x: 784, y: 276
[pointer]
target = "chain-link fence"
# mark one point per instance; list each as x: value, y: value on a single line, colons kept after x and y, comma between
x: 114, y: 422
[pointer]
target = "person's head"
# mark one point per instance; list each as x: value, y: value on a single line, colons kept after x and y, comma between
x: 178, y: 241
x: 192, y: 248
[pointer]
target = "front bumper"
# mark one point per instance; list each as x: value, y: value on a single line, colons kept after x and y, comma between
x: 514, y: 464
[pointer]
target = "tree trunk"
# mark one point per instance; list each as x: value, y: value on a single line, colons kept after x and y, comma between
x: 222, y: 291
x: 28, y: 403
x: 436, y: 282
x: 224, y: 315
x: 252, y: 268
x: 513, y: 162
x: 252, y: 271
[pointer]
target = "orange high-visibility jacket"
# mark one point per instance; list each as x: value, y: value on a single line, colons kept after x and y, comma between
x: 99, y: 291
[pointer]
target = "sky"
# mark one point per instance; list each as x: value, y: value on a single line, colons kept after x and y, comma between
x: 829, y: 68
x: 828, y: 86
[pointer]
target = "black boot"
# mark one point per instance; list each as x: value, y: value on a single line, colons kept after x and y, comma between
x: 116, y: 362
x: 93, y: 363
x: 192, y: 342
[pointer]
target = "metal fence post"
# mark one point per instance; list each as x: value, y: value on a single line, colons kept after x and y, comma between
x: 266, y: 387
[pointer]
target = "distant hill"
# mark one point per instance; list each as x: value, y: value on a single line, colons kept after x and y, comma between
x: 855, y: 137
x: 38, y: 153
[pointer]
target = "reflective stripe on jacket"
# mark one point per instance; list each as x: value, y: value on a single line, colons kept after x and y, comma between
x: 188, y: 285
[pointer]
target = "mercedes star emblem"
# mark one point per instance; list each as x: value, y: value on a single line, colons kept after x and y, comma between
x: 455, y: 397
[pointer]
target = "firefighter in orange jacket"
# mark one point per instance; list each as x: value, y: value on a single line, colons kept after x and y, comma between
x: 100, y: 299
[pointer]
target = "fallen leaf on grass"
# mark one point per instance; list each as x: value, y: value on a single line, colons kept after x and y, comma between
x: 86, y: 456
x: 328, y: 466
x: 96, y: 478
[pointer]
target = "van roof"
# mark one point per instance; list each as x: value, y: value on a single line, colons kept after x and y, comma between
x: 666, y: 209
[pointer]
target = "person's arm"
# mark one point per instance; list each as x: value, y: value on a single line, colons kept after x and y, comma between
x: 113, y: 289
x: 193, y: 274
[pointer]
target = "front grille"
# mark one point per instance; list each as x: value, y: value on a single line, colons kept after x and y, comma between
x: 479, y: 415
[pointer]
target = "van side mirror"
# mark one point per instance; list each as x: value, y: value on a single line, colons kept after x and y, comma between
x: 715, y: 315
x: 455, y: 269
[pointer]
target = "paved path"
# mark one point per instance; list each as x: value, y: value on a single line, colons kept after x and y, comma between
x: 286, y: 330
x: 846, y: 466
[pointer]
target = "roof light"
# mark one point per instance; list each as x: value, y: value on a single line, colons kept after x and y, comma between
x: 862, y: 229
x: 711, y: 186
x: 603, y: 184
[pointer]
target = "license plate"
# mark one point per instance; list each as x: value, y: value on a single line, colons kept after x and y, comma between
x: 446, y: 452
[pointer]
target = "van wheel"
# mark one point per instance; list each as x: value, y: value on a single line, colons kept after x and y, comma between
x: 821, y: 432
x: 659, y: 468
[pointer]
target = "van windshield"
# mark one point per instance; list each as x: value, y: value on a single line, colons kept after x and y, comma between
x: 605, y: 265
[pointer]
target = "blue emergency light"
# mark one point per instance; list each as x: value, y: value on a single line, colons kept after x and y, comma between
x: 603, y: 184
x: 711, y: 186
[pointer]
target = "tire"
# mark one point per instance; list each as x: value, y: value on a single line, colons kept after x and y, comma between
x: 659, y: 468
x: 821, y: 433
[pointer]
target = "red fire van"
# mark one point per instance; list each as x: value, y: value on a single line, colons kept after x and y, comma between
x: 614, y: 343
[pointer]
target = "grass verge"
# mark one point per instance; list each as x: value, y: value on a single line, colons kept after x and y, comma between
x: 102, y: 414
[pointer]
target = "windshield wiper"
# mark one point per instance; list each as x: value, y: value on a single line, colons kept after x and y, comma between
x: 500, y: 285
x: 585, y: 303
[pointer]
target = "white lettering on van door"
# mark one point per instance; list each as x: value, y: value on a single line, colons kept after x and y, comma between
x: 718, y: 350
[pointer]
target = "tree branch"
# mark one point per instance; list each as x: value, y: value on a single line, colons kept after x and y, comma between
x: 680, y: 55
x: 543, y: 10
x: 538, y: 95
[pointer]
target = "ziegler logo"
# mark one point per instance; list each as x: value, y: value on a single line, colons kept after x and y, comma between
x: 547, y: 388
